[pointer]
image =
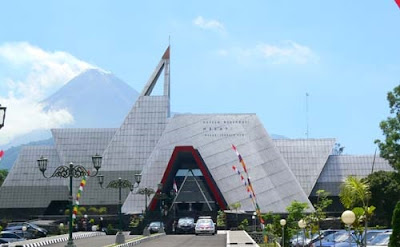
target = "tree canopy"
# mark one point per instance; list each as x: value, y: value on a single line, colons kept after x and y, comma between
x: 390, y: 146
x: 385, y: 193
x: 3, y: 175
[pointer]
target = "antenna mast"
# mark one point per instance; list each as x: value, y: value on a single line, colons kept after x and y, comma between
x: 307, y: 130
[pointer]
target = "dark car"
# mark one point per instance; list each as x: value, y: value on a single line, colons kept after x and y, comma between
x: 185, y: 225
x: 32, y: 230
x: 156, y: 226
x: 9, y: 237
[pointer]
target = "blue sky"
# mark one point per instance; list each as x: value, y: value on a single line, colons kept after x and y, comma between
x: 226, y: 57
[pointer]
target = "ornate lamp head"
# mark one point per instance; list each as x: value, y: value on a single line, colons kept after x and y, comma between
x: 42, y: 163
x: 96, y: 159
x: 138, y: 178
x: 2, y: 115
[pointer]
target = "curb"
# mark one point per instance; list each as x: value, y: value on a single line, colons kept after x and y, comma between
x: 54, y: 240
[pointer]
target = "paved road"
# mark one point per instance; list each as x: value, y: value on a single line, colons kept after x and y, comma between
x: 94, y: 241
x: 218, y: 240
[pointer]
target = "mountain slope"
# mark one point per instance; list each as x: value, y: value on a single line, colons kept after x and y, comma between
x: 95, y: 99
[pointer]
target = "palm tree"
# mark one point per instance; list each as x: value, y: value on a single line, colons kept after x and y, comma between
x: 355, y: 191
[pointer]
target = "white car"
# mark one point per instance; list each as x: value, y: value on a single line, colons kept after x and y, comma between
x: 205, y: 226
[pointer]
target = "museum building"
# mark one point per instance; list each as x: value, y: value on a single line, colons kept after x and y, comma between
x: 190, y: 155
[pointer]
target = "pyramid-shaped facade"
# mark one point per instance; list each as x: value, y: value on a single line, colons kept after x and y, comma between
x: 280, y: 171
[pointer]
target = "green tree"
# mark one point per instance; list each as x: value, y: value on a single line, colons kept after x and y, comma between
x: 395, y: 237
x: 319, y: 214
x: 236, y: 206
x: 385, y: 193
x: 244, y: 225
x: 296, y: 211
x: 3, y: 175
x: 390, y: 147
x: 356, y: 192
x: 221, y: 218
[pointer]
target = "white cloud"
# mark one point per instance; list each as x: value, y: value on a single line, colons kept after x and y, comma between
x: 213, y: 25
x: 32, y: 74
x: 288, y: 52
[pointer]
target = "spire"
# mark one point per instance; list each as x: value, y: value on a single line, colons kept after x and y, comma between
x: 166, y: 54
x: 162, y: 65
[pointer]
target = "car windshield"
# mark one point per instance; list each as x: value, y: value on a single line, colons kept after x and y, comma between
x: 335, y: 237
x: 381, y: 239
x: 204, y: 222
x: 155, y: 224
x: 371, y: 236
x: 186, y: 221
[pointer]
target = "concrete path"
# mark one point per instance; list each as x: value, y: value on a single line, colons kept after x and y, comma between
x: 239, y: 239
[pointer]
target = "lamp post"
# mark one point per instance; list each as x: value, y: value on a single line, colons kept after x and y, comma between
x: 348, y: 217
x: 71, y: 171
x: 254, y: 220
x: 302, y: 224
x: 2, y: 115
x: 146, y: 192
x: 119, y: 184
x: 283, y: 223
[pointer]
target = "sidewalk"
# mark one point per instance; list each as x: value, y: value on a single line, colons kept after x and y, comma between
x: 239, y: 238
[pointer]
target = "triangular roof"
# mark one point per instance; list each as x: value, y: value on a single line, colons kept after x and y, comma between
x: 134, y: 141
x: 212, y: 135
x: 306, y: 158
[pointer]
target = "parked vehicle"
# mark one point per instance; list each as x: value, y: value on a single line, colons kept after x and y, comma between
x: 333, y: 239
x: 9, y: 237
x: 381, y: 240
x: 205, y: 225
x: 371, y: 234
x: 316, y: 238
x: 32, y: 230
x: 156, y: 226
x: 185, y: 225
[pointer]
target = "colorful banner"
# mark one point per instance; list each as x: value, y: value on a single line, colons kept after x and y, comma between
x: 246, y: 181
x: 78, y: 196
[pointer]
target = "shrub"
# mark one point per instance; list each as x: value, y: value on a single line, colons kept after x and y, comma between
x: 81, y: 210
x: 395, y: 237
x: 93, y: 210
x: 102, y: 210
x: 244, y: 224
x: 221, y: 218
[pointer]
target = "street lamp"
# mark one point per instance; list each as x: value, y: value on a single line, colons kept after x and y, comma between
x: 70, y: 171
x: 348, y: 217
x: 24, y: 228
x: 302, y: 224
x: 283, y: 223
x: 2, y: 115
x: 146, y: 192
x: 119, y: 184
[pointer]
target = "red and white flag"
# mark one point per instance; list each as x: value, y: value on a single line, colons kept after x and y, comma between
x: 398, y: 2
x: 175, y: 187
x: 1, y: 154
